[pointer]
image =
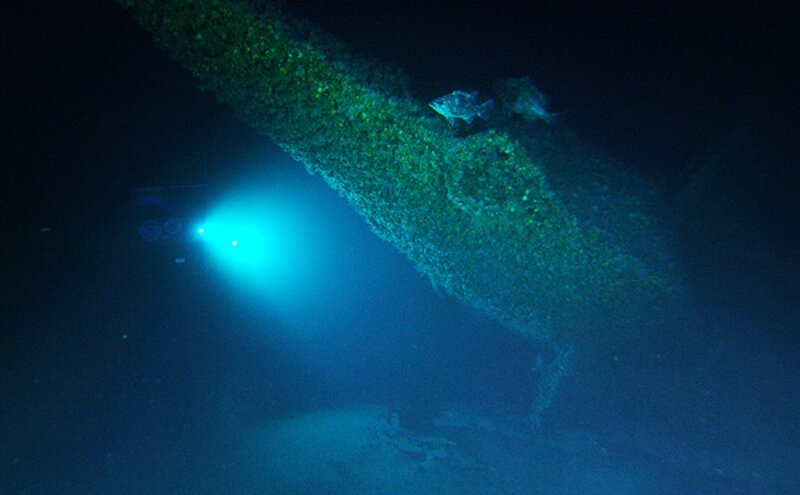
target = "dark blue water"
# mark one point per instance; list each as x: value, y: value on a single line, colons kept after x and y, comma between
x: 146, y: 367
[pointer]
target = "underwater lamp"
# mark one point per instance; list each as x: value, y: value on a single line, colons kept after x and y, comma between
x: 283, y: 244
x: 261, y: 242
x: 253, y: 244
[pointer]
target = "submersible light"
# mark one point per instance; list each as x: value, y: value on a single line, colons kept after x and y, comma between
x: 262, y: 239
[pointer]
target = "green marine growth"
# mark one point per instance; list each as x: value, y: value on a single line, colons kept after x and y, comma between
x: 475, y: 214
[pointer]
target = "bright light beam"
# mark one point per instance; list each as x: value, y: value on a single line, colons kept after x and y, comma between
x: 261, y: 243
x: 285, y: 245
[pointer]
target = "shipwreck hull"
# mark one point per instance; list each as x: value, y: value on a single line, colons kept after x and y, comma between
x: 476, y: 214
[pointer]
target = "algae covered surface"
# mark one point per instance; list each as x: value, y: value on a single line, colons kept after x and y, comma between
x: 476, y: 213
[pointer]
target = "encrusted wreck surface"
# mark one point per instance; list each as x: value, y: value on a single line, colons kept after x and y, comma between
x: 474, y: 213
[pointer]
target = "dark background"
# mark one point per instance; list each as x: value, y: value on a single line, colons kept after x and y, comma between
x: 120, y: 370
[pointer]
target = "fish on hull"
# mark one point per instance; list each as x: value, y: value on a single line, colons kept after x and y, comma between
x: 520, y: 96
x: 461, y: 105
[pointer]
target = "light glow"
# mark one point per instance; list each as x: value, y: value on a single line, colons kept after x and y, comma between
x: 262, y: 241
